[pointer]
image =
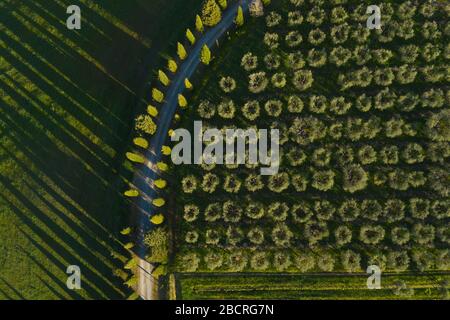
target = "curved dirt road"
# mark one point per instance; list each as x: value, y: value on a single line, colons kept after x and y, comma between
x: 147, y: 173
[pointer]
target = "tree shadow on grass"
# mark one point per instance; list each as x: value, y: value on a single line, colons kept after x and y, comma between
x: 14, y: 290
x: 59, y: 100
x: 104, y: 286
x: 61, y: 284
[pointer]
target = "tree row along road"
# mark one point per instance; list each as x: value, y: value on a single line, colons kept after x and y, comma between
x: 148, y: 172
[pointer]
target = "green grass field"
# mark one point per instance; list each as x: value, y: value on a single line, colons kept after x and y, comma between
x: 68, y: 99
x: 256, y: 286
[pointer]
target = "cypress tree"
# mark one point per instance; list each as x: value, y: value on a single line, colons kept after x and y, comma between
x: 205, y: 55
x: 190, y: 36
x: 199, y: 24
x: 240, y: 17
x: 163, y: 78
x: 181, y: 51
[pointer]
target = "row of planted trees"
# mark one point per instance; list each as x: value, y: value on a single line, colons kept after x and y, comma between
x: 383, y: 140
x: 304, y: 260
x: 146, y: 125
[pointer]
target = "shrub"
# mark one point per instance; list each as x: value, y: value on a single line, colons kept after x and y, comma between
x: 339, y: 33
x: 189, y: 184
x: 281, y: 261
x: 234, y: 235
x: 227, y: 84
x: 145, y: 124
x: 213, y: 260
x: 189, y: 262
x: 342, y: 235
x: 279, y: 80
x: 271, y: 40
x: 354, y: 178
x: 440, y: 209
x: 409, y: 53
x: 210, y: 182
x: 282, y: 235
x: 371, y: 209
x: 213, y: 212
x: 351, y: 261
x: 256, y: 236
x: 307, y: 130
x: 237, y: 261
x: 157, y: 241
x: 191, y: 237
x: 400, y: 235
x: 406, y: 74
x: 317, y: 58
x: 349, y: 210
x: 394, y: 210
x: 316, y: 231
x: 206, y: 109
x: 295, y: 18
x: 278, y: 211
x: 438, y: 126
x: 258, y: 82
x: 423, y: 233
x: 293, y: 39
x: 325, y: 262
x: 212, y: 237
x: 226, y: 109
x: 254, y: 210
x: 398, y: 260
x: 423, y: 259
x: 316, y: 16
x: 273, y: 19
x: 299, y: 182
x: 371, y: 234
x: 211, y: 13
x: 232, y: 212
x: 303, y: 79
x: 301, y: 212
x: 259, y: 261
x: 249, y: 61
x: 295, y: 60
x: 304, y: 262
x: 191, y: 212
x: 273, y: 107
x: 323, y: 180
